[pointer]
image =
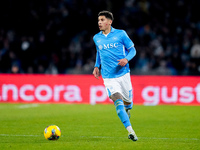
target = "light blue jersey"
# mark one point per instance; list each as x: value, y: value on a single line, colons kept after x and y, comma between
x: 115, y: 46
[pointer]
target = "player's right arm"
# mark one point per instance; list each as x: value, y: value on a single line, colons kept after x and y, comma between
x: 96, y: 71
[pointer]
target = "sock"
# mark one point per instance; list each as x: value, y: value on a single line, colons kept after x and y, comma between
x: 129, y: 129
x: 122, y: 113
x: 130, y: 106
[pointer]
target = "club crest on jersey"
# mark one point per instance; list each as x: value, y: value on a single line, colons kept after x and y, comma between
x: 106, y: 46
x: 100, y: 47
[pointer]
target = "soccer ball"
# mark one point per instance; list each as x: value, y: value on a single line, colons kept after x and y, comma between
x: 52, y: 132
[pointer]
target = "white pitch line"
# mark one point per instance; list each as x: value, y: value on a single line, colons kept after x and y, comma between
x: 169, y: 138
x: 27, y: 106
x: 146, y: 138
x: 109, y: 137
x: 16, y: 135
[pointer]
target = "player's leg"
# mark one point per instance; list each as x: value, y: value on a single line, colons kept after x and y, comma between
x: 131, y: 133
x: 127, y: 93
x: 119, y: 104
x: 113, y: 89
x: 128, y: 106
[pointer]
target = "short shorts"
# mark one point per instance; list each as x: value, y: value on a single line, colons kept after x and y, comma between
x: 121, y: 85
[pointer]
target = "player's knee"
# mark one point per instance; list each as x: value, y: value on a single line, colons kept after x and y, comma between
x: 116, y: 96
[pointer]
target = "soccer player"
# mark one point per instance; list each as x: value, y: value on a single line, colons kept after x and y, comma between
x: 114, y: 50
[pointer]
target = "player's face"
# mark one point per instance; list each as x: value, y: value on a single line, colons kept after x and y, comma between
x: 104, y: 23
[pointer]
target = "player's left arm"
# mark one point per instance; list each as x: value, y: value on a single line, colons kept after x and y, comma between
x: 131, y: 49
x: 131, y: 54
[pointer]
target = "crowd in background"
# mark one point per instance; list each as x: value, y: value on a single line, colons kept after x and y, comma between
x: 56, y: 36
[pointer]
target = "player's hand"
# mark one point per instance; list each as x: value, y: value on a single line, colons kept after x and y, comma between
x: 96, y: 72
x: 122, y: 62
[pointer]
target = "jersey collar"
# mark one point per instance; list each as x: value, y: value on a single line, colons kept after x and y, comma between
x: 112, y: 30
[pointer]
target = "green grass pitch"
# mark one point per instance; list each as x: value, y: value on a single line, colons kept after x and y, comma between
x: 97, y: 127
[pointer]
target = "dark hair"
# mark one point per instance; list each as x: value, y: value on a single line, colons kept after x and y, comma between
x: 107, y: 14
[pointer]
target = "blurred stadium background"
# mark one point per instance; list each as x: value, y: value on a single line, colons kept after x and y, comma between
x: 55, y: 36
x: 40, y: 38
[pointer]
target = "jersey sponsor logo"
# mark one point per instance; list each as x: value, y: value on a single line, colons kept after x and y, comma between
x: 106, y: 46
